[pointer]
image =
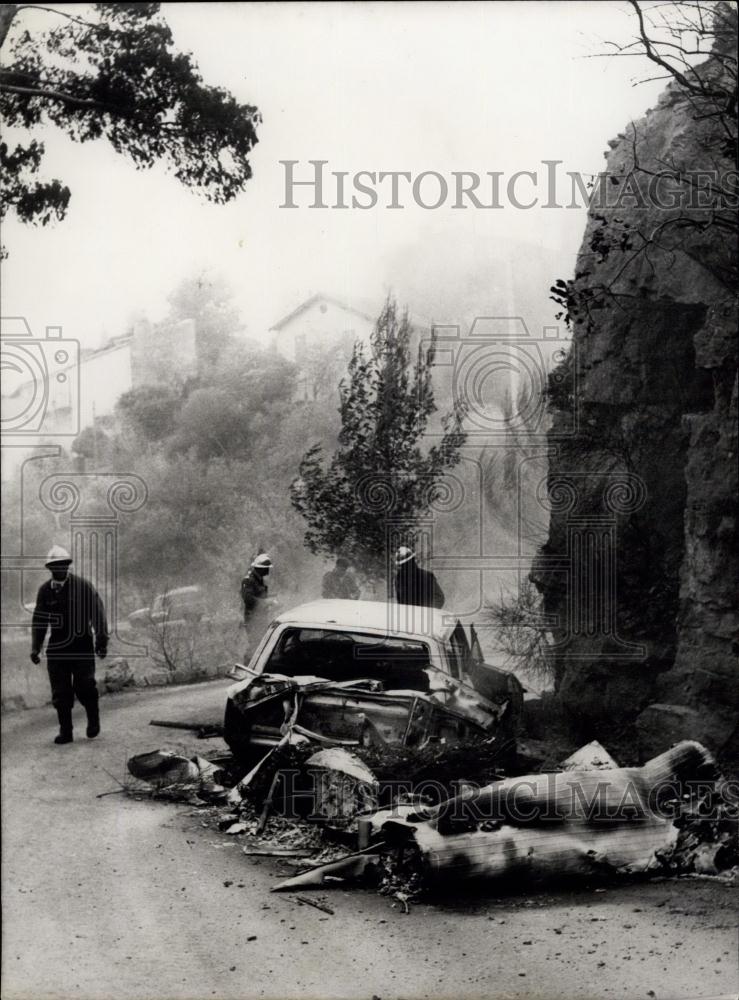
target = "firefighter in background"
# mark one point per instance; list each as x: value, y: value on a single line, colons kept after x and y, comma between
x: 414, y: 585
x: 254, y: 585
x: 254, y: 591
x: 70, y: 609
x: 340, y: 582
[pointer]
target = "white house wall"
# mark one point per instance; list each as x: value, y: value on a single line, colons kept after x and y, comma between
x: 322, y: 324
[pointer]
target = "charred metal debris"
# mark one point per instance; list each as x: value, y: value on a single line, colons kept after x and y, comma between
x: 406, y: 820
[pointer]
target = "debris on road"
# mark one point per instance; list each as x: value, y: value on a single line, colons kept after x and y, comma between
x: 351, y: 867
x: 204, y: 731
x: 672, y: 816
x: 278, y: 852
x: 315, y: 903
x: 344, y: 787
x: 708, y: 838
x: 235, y: 828
x: 162, y: 768
x: 176, y: 776
x: 580, y: 822
x: 591, y: 757
x: 585, y: 822
x: 267, y: 806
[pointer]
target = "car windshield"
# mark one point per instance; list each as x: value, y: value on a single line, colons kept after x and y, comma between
x: 342, y: 656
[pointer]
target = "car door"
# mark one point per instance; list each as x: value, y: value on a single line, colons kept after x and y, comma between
x: 476, y: 655
x: 492, y: 682
x: 457, y: 652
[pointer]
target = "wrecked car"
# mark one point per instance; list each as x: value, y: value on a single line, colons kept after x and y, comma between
x: 183, y: 605
x: 368, y: 674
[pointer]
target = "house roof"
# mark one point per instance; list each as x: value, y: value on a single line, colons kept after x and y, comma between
x: 369, y: 311
x: 113, y: 344
x: 86, y: 354
x: 313, y: 300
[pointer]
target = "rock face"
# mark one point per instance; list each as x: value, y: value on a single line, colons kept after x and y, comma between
x: 639, y: 570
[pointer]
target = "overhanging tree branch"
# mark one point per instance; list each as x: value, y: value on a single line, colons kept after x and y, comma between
x: 122, y: 80
x: 54, y: 95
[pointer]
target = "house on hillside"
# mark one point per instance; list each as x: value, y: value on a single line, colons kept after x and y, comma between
x: 319, y: 327
x: 319, y: 335
x: 320, y: 320
x: 57, y: 389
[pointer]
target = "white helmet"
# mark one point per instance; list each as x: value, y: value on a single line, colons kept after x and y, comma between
x: 404, y: 555
x: 262, y: 561
x: 57, y: 554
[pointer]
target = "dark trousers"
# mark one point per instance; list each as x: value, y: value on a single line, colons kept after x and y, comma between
x: 70, y: 678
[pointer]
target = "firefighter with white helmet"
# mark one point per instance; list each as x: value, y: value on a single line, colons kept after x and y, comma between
x: 254, y: 585
x: 70, y: 610
x: 254, y: 592
x: 414, y: 585
x: 58, y: 554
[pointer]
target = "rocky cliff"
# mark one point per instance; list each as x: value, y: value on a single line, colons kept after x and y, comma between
x: 640, y: 567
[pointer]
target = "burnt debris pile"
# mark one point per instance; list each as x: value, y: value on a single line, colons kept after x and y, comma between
x: 406, y: 822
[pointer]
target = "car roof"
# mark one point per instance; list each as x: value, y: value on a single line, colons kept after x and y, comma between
x: 386, y: 617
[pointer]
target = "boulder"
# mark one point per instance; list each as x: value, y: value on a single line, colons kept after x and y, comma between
x: 638, y: 571
x: 118, y: 675
x: 661, y: 725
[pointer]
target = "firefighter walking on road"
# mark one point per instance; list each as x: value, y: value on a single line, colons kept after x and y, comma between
x: 69, y: 608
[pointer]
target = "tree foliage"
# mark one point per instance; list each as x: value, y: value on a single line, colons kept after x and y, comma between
x: 150, y: 412
x: 232, y: 410
x: 522, y: 632
x: 675, y: 34
x: 380, y: 469
x: 218, y: 451
x: 117, y: 76
x: 207, y: 300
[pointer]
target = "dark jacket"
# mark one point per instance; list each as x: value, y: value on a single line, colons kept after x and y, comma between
x: 342, y: 586
x: 417, y: 586
x: 253, y: 589
x: 73, y: 614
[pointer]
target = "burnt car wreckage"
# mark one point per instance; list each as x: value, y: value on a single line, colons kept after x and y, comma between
x: 366, y: 674
x: 405, y: 740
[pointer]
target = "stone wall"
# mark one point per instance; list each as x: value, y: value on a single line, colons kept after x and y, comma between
x: 652, y: 375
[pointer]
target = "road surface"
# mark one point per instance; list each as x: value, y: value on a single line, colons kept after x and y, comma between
x: 117, y: 898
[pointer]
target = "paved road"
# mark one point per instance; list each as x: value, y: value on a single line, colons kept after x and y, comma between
x: 114, y: 898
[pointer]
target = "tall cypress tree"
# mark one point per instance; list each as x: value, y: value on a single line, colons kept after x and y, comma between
x: 383, y: 468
